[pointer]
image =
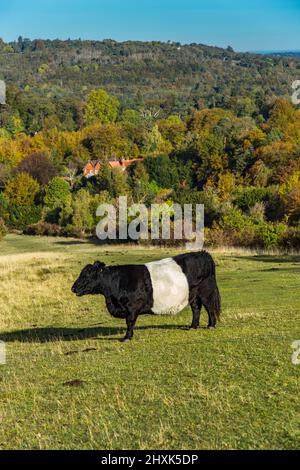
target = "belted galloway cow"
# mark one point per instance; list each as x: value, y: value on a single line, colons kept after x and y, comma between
x: 162, y: 287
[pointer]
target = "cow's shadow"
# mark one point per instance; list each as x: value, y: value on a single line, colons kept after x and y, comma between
x: 52, y: 334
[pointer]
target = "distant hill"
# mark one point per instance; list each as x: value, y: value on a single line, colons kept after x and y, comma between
x: 282, y: 53
x: 169, y: 76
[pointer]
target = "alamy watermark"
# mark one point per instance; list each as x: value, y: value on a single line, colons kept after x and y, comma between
x: 296, y: 353
x: 139, y: 222
x: 2, y: 353
x: 2, y: 92
x: 296, y: 94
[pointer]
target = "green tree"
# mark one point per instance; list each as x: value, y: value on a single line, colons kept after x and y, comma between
x: 15, y: 125
x: 101, y: 107
x: 139, y: 182
x: 156, y: 144
x: 57, y: 193
x: 83, y: 220
x: 131, y: 117
x: 162, y: 170
x: 119, y: 183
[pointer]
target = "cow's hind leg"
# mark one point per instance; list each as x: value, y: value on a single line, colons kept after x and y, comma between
x: 130, y: 321
x: 196, y: 306
x: 211, y: 319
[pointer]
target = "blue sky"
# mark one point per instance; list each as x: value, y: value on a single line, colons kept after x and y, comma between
x: 243, y: 24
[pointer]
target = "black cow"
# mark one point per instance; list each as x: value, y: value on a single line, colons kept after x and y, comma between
x: 160, y: 287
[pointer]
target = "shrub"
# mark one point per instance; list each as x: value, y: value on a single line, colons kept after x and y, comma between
x: 3, y: 229
x: 235, y: 219
x: 257, y: 212
x: 291, y: 238
x: 216, y: 237
x: 43, y: 228
x: 71, y: 231
x: 248, y: 197
x: 208, y: 198
x: 231, y: 237
x: 270, y: 235
x: 4, y: 208
x: 21, y: 216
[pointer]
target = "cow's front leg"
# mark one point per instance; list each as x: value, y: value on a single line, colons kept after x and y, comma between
x: 130, y: 321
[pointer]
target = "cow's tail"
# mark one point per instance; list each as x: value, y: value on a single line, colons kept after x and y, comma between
x: 214, y: 302
x: 216, y: 298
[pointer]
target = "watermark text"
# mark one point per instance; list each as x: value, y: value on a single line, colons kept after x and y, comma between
x: 2, y: 353
x: 139, y: 222
x: 2, y: 92
x: 296, y: 94
x: 296, y: 353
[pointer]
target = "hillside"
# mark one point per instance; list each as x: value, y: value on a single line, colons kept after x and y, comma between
x: 213, y: 127
x: 284, y: 53
x: 171, y: 76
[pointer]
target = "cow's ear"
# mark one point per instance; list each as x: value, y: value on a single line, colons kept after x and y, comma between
x: 99, y: 265
x: 87, y: 267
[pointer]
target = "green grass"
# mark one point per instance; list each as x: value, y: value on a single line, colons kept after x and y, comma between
x: 232, y: 388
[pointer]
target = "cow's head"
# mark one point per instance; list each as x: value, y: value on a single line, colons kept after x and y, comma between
x: 90, y: 280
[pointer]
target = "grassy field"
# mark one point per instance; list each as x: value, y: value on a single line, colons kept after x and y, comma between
x: 69, y: 383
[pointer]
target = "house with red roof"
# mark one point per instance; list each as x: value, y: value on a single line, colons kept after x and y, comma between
x: 93, y: 167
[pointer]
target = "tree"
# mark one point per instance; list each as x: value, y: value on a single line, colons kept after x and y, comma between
x: 56, y: 193
x: 107, y: 141
x: 22, y: 190
x: 21, y: 194
x: 290, y: 194
x: 281, y: 114
x: 173, y: 129
x: 210, y: 155
x: 162, y: 170
x: 225, y: 185
x: 156, y: 144
x: 101, y: 107
x: 39, y: 167
x: 139, y: 182
x: 208, y: 119
x: 10, y: 151
x: 83, y: 219
x: 119, y: 183
x: 15, y: 125
x: 104, y: 180
x: 259, y: 173
x: 131, y: 117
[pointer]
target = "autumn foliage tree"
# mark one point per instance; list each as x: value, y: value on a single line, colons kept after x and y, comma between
x: 21, y: 195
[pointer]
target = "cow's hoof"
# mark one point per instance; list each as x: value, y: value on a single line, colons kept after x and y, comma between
x: 193, y: 328
x: 125, y: 340
x: 211, y: 327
